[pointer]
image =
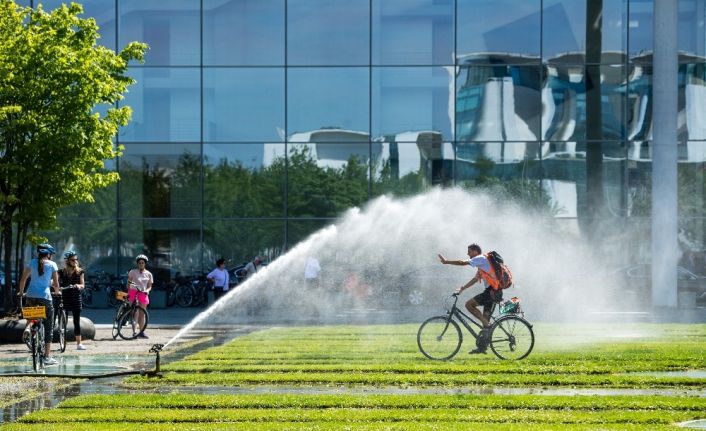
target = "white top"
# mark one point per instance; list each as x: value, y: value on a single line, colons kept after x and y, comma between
x: 220, y: 278
x: 141, y: 279
x: 312, y: 268
x: 480, y: 262
x: 251, y: 269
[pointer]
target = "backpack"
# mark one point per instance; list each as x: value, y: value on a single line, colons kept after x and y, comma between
x: 502, y: 272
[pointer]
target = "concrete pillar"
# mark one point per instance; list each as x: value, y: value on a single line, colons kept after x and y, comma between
x: 665, y: 250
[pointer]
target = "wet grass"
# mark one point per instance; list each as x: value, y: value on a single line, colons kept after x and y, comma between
x: 574, y: 356
x: 373, y: 356
x: 374, y: 412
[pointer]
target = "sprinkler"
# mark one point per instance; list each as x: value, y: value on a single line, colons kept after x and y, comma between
x: 156, y: 348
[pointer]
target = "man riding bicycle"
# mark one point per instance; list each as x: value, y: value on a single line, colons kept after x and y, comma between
x: 488, y: 297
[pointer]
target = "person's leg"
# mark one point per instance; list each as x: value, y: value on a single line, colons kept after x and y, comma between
x: 77, y: 326
x: 472, y: 306
x: 144, y: 301
x: 48, y: 327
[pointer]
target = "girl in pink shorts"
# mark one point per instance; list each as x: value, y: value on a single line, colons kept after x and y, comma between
x: 139, y: 281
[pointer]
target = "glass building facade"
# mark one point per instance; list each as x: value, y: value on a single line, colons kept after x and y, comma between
x: 257, y: 122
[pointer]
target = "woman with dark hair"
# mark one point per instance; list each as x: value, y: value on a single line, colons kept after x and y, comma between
x: 220, y: 279
x: 43, y: 273
x: 71, y: 282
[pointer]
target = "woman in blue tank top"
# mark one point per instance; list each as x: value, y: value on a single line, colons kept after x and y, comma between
x: 43, y: 275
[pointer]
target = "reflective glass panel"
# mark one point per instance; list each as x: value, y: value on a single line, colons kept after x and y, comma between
x: 564, y: 30
x: 173, y: 246
x: 165, y: 105
x: 243, y: 32
x: 328, y: 32
x: 692, y: 101
x: 244, y: 180
x: 409, y: 168
x: 640, y: 28
x: 240, y: 241
x: 325, y: 179
x: 93, y: 239
x: 412, y: 99
x: 105, y: 205
x: 567, y: 177
x: 171, y: 29
x: 508, y: 28
x: 160, y: 180
x: 579, y: 108
x: 498, y: 103
x: 103, y: 11
x: 692, y: 35
x: 321, y: 98
x: 692, y: 207
x: 639, y: 102
x: 24, y: 3
x: 417, y: 32
x: 243, y: 104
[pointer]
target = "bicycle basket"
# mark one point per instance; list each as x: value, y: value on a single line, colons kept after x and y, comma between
x: 34, y: 312
x: 120, y: 295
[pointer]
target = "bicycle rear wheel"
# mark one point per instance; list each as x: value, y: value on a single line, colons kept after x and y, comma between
x: 61, y: 325
x: 512, y: 338
x: 439, y: 338
x: 128, y: 327
x: 184, y: 295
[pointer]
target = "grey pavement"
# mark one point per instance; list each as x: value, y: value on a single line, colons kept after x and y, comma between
x: 158, y: 316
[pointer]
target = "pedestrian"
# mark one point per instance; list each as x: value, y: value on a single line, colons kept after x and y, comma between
x: 139, y: 282
x: 42, y: 272
x: 312, y: 271
x: 220, y: 279
x: 72, y: 285
x: 252, y: 267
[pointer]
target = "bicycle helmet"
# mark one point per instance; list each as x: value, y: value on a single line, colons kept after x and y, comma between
x: 69, y: 254
x: 141, y: 257
x: 45, y: 249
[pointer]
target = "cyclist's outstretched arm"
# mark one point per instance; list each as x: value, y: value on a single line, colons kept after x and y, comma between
x: 452, y: 262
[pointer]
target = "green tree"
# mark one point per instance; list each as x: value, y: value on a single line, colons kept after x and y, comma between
x: 53, y: 143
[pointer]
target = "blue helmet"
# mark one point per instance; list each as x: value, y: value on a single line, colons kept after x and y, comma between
x: 69, y: 254
x: 45, y: 249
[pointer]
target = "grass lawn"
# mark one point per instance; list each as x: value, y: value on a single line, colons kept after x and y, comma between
x: 384, y: 356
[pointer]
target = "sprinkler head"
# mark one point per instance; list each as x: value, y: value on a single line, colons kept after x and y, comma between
x: 156, y: 348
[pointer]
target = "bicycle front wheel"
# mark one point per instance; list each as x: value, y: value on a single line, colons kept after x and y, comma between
x: 439, y: 338
x: 512, y: 338
x: 184, y: 295
x: 61, y: 325
x: 129, y: 326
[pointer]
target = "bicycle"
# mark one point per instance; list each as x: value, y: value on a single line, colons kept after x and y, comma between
x: 191, y: 291
x: 510, y: 335
x: 35, y: 316
x: 128, y: 314
x: 60, y: 317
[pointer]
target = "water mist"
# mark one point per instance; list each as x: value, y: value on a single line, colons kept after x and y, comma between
x: 376, y: 246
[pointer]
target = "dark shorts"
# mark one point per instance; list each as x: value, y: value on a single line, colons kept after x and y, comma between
x: 486, y: 300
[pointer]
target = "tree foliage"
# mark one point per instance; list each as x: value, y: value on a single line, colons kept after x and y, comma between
x: 53, y: 76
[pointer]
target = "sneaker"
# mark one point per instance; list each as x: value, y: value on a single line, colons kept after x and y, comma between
x: 142, y: 335
x: 80, y: 347
x: 477, y: 351
x: 50, y: 361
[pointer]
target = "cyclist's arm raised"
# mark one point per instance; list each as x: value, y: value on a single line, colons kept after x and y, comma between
x: 452, y: 262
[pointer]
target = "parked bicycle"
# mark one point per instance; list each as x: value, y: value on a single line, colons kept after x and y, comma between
x: 192, y: 291
x: 126, y: 317
x: 510, y: 336
x: 35, y: 316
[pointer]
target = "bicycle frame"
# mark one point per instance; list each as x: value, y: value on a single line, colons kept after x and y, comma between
x: 465, y: 318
